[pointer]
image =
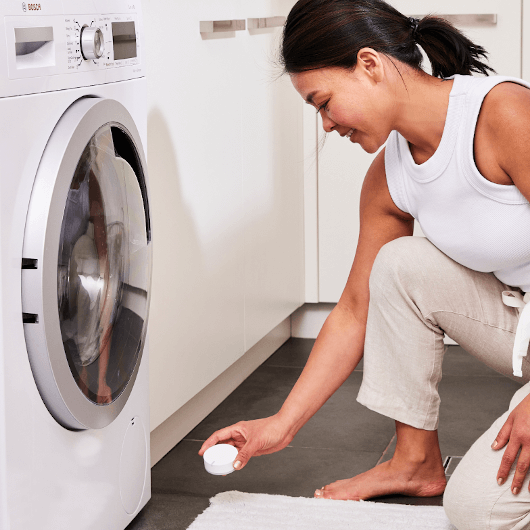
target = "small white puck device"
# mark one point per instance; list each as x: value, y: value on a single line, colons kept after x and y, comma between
x: 219, y: 459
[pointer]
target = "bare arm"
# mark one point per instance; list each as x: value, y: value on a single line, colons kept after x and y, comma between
x: 340, y: 343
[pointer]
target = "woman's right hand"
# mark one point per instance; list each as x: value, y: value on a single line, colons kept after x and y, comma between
x: 252, y: 438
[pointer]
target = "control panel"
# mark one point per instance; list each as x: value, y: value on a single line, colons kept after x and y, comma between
x: 49, y: 45
x: 106, y: 41
x: 57, y: 45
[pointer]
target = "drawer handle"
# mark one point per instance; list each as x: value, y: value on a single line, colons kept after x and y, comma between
x: 217, y: 26
x: 467, y: 20
x: 269, y: 22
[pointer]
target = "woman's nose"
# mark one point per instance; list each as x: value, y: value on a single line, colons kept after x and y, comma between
x: 327, y: 124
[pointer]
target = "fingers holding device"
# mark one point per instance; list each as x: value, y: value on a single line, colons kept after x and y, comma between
x: 248, y: 439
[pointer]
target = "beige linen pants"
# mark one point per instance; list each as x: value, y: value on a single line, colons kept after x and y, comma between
x: 417, y: 294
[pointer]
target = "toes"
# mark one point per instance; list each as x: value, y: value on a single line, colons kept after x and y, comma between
x: 336, y: 494
x: 324, y: 493
x: 328, y: 492
x: 319, y: 493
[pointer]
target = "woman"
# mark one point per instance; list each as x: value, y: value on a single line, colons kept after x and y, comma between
x: 457, y: 160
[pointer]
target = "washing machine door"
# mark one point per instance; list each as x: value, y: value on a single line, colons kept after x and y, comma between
x: 86, y: 267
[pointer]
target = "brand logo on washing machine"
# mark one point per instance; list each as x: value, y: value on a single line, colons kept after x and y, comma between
x: 34, y: 7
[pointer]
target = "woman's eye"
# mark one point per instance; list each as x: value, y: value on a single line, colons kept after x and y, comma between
x: 323, y: 106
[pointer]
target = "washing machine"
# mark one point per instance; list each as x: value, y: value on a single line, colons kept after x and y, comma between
x: 75, y: 265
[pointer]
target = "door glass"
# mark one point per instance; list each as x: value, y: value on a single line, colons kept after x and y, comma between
x: 104, y: 266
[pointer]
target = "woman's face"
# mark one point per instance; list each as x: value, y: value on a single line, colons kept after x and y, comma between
x: 355, y: 103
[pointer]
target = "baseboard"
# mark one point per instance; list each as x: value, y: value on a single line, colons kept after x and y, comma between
x: 307, y: 321
x: 180, y: 423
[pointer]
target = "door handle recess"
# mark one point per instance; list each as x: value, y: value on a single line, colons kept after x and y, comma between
x: 217, y: 26
x: 269, y: 22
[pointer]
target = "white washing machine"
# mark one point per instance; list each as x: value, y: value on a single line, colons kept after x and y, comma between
x: 75, y: 265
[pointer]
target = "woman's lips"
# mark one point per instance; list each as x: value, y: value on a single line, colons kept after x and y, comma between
x: 349, y: 133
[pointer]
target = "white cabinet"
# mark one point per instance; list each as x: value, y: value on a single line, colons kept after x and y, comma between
x: 342, y: 166
x: 272, y: 180
x: 226, y: 168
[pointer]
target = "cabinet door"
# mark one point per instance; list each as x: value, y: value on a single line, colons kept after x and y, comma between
x: 272, y: 178
x: 226, y: 174
x: 196, y: 324
x: 342, y: 165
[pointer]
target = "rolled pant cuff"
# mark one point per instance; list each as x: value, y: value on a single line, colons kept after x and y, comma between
x: 385, y: 405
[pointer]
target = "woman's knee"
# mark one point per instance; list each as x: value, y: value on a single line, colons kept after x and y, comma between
x: 457, y: 508
x: 399, y: 262
x: 474, y: 501
x: 478, y: 510
x: 467, y: 505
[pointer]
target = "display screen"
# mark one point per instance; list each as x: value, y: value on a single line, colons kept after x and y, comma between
x: 124, y: 40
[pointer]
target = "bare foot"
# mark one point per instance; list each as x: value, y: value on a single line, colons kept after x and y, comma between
x: 406, y: 478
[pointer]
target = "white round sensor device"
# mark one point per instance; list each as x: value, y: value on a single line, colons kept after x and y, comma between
x: 219, y: 459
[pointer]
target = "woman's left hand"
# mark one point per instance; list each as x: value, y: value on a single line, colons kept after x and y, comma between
x: 515, y: 432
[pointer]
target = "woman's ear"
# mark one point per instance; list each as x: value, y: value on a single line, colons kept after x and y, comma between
x: 371, y: 63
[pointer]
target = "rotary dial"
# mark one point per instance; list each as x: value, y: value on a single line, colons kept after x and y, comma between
x: 92, y: 43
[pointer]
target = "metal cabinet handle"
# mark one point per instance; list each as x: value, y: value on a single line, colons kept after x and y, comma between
x: 468, y: 20
x: 216, y: 26
x: 269, y: 22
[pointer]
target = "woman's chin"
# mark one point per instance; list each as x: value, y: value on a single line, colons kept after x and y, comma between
x: 369, y: 147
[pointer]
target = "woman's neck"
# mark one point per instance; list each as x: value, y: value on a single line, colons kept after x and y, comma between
x: 423, y: 107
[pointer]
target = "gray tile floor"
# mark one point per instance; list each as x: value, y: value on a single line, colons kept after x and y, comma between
x: 343, y: 439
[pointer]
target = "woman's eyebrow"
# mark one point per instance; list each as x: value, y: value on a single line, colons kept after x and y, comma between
x: 309, y: 98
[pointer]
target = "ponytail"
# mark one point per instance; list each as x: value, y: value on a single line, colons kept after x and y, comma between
x: 327, y: 33
x: 448, y: 49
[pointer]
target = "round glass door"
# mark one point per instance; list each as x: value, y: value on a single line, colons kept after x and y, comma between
x: 102, y: 276
x: 86, y: 265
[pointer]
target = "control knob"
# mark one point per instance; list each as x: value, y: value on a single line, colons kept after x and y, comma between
x: 92, y: 43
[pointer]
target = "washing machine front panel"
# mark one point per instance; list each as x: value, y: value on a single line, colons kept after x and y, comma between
x: 87, y: 265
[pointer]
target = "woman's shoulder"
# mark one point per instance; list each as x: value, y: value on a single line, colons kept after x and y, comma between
x: 493, y: 87
x: 504, y: 121
x: 505, y: 110
x: 508, y: 96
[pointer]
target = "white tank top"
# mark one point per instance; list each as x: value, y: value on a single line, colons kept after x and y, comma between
x: 479, y: 224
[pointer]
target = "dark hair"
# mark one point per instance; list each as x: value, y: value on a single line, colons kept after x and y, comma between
x: 325, y: 33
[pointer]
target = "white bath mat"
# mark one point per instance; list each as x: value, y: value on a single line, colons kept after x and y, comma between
x: 233, y: 510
